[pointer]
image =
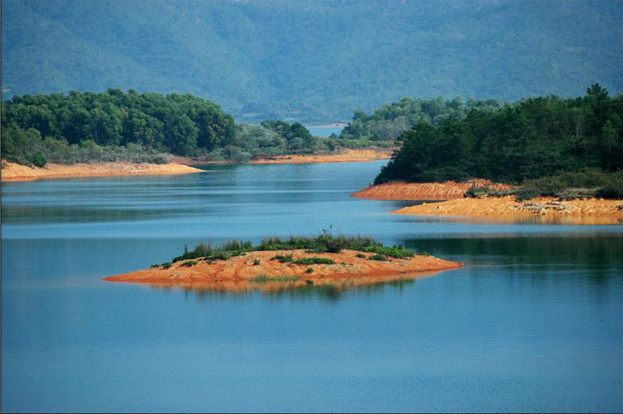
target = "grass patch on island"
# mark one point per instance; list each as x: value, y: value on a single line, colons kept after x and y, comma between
x: 323, y: 243
x: 314, y: 260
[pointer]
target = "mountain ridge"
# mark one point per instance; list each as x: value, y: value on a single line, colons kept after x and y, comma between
x: 312, y: 61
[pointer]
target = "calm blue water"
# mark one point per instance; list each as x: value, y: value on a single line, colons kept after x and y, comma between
x: 324, y: 130
x: 533, y: 322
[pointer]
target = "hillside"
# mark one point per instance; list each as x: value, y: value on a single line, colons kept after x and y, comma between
x: 312, y: 61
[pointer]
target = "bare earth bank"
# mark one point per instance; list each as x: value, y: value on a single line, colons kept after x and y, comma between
x: 590, y: 211
x: 17, y: 172
x: 425, y: 191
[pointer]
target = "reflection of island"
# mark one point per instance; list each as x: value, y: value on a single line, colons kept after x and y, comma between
x: 323, y: 263
x: 330, y: 289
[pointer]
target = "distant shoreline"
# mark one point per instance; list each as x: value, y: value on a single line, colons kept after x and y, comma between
x: 180, y: 165
x: 363, y: 155
x: 16, y: 172
x: 347, y: 155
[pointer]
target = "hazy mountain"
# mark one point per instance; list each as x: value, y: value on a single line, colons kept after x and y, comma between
x: 317, y: 60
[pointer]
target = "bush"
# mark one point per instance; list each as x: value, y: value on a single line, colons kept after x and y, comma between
x: 609, y: 192
x: 310, y: 270
x: 397, y: 252
x: 360, y: 255
x: 478, y: 192
x: 283, y: 259
x: 39, y: 160
x: 256, y: 262
x: 166, y: 265
x: 314, y: 260
x: 189, y: 263
x: 378, y: 257
x: 569, y: 186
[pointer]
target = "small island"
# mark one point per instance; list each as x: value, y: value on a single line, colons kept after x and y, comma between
x: 276, y: 264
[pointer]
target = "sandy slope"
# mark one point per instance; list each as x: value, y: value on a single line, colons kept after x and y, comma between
x: 424, y: 191
x: 16, y: 172
x: 546, y: 207
x: 237, y: 273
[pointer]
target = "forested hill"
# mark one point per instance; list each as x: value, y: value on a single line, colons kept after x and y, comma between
x: 530, y: 139
x: 129, y: 126
x: 312, y: 60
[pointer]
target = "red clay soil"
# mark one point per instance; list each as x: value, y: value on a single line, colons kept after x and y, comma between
x: 425, y: 191
x: 239, y: 273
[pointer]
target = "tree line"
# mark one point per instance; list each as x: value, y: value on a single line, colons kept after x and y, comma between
x: 86, y: 126
x: 527, y: 140
x: 389, y: 121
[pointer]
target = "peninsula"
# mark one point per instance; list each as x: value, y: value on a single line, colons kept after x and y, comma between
x: 502, y: 162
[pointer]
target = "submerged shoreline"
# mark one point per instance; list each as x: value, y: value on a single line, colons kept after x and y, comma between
x: 17, y: 172
x: 260, y: 270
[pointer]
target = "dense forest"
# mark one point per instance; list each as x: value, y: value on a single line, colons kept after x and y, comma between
x: 527, y: 140
x: 389, y: 121
x: 114, y: 125
x: 312, y: 60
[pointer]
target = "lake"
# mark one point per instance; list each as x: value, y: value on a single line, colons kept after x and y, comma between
x: 325, y: 130
x: 533, y: 322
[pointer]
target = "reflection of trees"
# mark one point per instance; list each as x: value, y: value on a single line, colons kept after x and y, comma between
x: 600, y: 255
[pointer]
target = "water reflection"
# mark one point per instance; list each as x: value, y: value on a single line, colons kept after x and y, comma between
x: 595, y: 261
x: 329, y: 289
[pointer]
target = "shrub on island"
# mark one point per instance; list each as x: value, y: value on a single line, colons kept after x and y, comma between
x: 324, y: 243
